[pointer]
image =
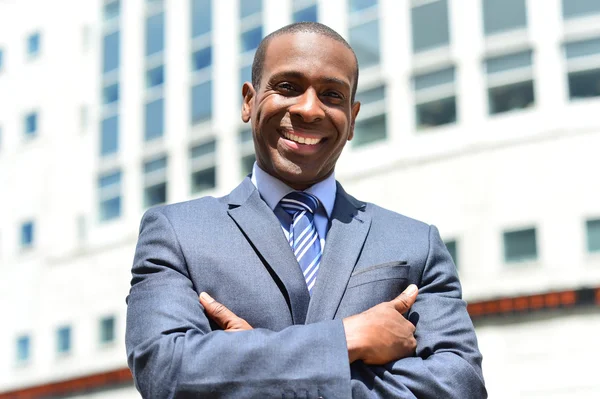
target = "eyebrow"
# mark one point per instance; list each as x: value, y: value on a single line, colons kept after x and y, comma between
x: 298, y: 75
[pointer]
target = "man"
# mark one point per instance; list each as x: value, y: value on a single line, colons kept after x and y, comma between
x: 312, y: 285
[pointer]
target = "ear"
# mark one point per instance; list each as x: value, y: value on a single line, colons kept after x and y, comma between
x: 248, y: 95
x: 353, y: 115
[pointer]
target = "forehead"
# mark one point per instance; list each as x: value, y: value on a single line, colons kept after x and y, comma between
x: 311, y: 54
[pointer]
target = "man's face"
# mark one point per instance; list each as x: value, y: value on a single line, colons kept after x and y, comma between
x: 302, y: 114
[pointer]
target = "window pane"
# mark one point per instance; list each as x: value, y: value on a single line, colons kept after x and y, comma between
x: 365, y: 42
x: 308, y: 14
x: 111, y: 52
x: 155, y: 76
x: 520, y: 246
x: 63, y: 340
x: 249, y: 7
x: 584, y: 84
x: 201, y: 58
x: 251, y: 39
x: 107, y: 330
x: 202, y: 102
x: 155, y: 195
x: 156, y: 165
x: 451, y: 246
x: 202, y: 150
x: 155, y: 33
x: 204, y: 180
x: 31, y: 124
x: 436, y: 113
x: 110, y: 94
x: 593, y: 235
x: 579, y: 8
x: 371, y: 96
x: 582, y: 48
x: 112, y: 10
x: 503, y: 15
x: 511, y: 97
x: 246, y: 74
x: 247, y: 164
x: 23, y: 351
x: 433, y: 79
x: 357, y: 5
x: 109, y: 140
x: 33, y: 44
x: 109, y: 180
x: 155, y: 119
x: 110, y: 209
x: 27, y: 234
x: 369, y: 131
x: 430, y: 26
x: 201, y: 17
x: 109, y: 192
x: 508, y: 62
x: 246, y: 136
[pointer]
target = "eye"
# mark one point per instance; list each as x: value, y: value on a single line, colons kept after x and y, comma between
x: 286, y: 87
x: 333, y: 96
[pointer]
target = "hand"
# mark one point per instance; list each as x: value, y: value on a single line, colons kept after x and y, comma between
x: 224, y: 317
x: 381, y: 334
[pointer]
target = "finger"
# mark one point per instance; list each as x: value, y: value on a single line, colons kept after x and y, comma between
x: 219, y: 313
x: 404, y: 301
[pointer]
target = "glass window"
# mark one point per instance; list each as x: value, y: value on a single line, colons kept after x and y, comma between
x: 308, y: 14
x: 430, y: 25
x: 201, y: 17
x: 250, y: 39
x: 503, y: 15
x: 155, y: 182
x: 63, y: 340
x: 202, y: 58
x: 246, y: 74
x: 452, y: 249
x: 248, y: 164
x: 511, y: 97
x: 107, y: 329
x: 31, y: 124
x: 582, y: 48
x: 369, y: 130
x: 109, y: 194
x: 435, y: 98
x: 434, y: 79
x: 579, y: 8
x: 204, y: 176
x: 508, y: 62
x: 155, y: 33
x: 109, y: 140
x: 364, y: 39
x: 155, y: 76
x: 357, y: 5
x: 520, y: 245
x: 110, y: 94
x: 112, y: 10
x: 27, y: 231
x: 371, y: 96
x: 155, y: 119
x: 436, y: 112
x: 584, y: 84
x: 33, y: 44
x: 111, y: 49
x: 201, y: 102
x: 593, y: 235
x: 249, y: 7
x: 23, y: 348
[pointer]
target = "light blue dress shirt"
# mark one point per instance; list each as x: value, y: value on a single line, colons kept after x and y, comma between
x: 272, y: 190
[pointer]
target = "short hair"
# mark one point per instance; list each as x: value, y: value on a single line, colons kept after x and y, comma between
x: 305, y: 27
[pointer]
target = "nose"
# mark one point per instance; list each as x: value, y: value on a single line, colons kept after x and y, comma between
x: 308, y: 107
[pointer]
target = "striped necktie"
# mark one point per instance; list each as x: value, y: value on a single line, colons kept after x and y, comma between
x: 304, y: 238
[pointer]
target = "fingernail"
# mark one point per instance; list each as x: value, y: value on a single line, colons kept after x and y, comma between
x: 411, y: 289
x: 206, y: 297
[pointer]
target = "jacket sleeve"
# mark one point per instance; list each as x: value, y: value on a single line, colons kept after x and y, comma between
x: 173, y: 353
x: 447, y: 362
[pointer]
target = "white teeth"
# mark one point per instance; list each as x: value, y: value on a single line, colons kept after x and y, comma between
x: 301, y: 140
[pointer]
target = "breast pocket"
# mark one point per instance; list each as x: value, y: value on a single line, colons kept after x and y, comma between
x: 372, y: 285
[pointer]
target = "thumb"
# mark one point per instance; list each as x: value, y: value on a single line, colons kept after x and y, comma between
x: 404, y: 301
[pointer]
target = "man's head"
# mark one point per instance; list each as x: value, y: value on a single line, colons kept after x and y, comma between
x: 301, y: 102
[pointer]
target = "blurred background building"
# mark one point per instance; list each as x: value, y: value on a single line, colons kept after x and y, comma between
x: 480, y: 116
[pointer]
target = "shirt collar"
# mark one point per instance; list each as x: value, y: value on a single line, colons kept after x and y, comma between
x: 272, y: 190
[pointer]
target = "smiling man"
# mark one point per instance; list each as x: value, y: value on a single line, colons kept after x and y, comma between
x: 315, y: 292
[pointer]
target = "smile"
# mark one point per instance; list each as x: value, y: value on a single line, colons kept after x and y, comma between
x: 301, y: 140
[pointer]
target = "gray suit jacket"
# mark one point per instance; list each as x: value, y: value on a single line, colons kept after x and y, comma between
x: 234, y: 249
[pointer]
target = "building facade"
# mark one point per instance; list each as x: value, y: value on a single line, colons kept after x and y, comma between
x: 478, y: 116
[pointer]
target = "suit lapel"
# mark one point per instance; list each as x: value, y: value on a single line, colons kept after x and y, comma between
x: 262, y: 228
x: 350, y: 225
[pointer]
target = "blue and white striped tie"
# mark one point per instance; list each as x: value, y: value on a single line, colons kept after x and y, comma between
x: 304, y: 238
